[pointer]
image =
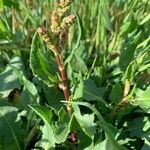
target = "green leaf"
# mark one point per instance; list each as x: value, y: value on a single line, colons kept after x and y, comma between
x: 27, y: 97
x: 30, y: 16
x: 79, y: 32
x: 2, y: 26
x: 1, y: 4
x: 9, y: 80
x: 4, y: 103
x: 142, y: 98
x: 79, y: 90
x: 10, y: 3
x: 56, y: 133
x: 105, y: 15
x: 53, y: 96
x: 42, y: 62
x: 10, y: 126
x: 62, y: 126
x: 48, y: 141
x: 86, y: 122
x: 128, y: 50
x: 78, y: 64
x: 140, y: 131
x: 116, y: 93
x: 87, y: 90
x: 146, y: 134
x: 78, y: 39
x: 142, y: 127
x: 146, y: 19
x: 146, y: 145
x: 103, y: 23
x: 130, y: 72
x: 109, y: 130
x: 92, y: 93
x: 43, y: 112
x: 84, y: 141
x: 107, y: 144
x: 69, y: 71
x: 128, y: 26
x: 29, y: 94
x: 106, y: 127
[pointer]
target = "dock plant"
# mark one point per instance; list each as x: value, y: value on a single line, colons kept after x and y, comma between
x: 75, y: 74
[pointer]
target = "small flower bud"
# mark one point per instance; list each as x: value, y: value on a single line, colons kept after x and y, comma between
x: 41, y: 30
x: 68, y: 21
x: 64, y: 3
x: 54, y: 17
x: 68, y: 2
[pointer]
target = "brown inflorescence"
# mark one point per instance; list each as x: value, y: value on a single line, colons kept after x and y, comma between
x: 55, y: 42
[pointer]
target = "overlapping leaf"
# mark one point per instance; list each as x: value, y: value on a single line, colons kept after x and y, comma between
x: 10, y: 126
x: 142, y: 98
x: 48, y: 141
x: 42, y: 62
x: 8, y: 79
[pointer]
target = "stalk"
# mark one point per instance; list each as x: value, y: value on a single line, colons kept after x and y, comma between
x: 56, y: 41
x: 46, y: 38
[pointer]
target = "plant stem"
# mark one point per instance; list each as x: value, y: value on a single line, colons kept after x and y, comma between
x: 43, y: 33
x: 63, y: 84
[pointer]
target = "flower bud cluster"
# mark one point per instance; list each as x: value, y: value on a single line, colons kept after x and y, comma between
x: 60, y: 23
x: 58, y: 20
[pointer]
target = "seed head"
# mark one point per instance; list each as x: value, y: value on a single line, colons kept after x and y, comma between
x: 41, y: 30
x: 54, y: 17
x: 64, y: 3
x: 68, y: 21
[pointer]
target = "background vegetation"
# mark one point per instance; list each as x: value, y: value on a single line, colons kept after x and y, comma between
x: 107, y: 60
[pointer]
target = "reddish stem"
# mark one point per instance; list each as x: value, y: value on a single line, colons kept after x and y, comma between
x: 63, y: 85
